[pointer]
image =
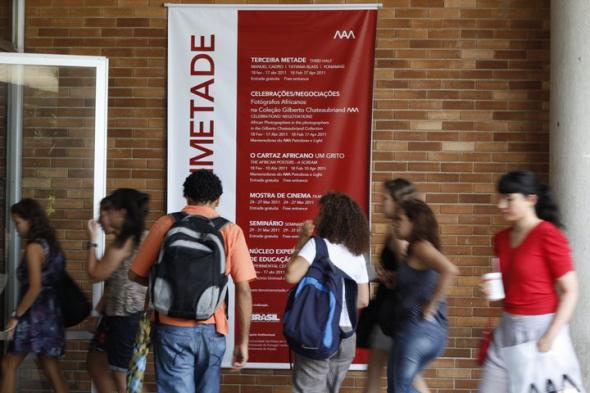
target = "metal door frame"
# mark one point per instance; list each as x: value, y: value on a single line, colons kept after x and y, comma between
x: 14, y: 153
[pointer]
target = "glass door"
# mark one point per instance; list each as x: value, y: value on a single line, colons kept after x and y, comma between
x: 53, y: 149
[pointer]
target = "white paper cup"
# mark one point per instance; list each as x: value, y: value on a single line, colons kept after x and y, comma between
x: 493, y: 282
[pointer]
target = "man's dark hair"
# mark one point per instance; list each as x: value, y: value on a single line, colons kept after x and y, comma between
x: 202, y: 186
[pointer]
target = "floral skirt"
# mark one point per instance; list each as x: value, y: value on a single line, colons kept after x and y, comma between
x: 40, y: 330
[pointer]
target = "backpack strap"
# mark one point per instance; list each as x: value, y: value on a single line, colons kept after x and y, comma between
x: 177, y: 216
x: 219, y: 222
x: 351, y: 291
x: 321, y: 249
x: 351, y: 287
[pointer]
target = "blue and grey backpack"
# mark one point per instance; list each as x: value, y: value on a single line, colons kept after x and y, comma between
x: 311, y: 323
x: 188, y: 280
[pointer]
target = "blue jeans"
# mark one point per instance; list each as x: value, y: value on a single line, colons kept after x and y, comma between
x: 416, y: 344
x: 188, y: 359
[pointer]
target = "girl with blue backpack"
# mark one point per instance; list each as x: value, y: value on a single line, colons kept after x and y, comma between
x: 343, y: 231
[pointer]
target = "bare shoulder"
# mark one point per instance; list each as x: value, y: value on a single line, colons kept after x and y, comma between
x: 34, y: 248
x: 423, y: 247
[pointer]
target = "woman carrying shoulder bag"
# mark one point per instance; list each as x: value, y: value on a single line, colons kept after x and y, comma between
x: 535, y: 260
x: 36, y: 325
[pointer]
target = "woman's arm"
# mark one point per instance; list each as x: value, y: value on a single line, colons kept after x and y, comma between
x: 296, y: 269
x: 430, y: 257
x: 363, y: 295
x: 101, y: 269
x: 568, y: 288
x: 298, y: 266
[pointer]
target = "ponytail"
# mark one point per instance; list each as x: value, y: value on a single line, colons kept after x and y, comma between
x: 546, y: 206
x: 526, y: 183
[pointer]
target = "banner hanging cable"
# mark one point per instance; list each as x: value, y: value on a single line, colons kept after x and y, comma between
x: 287, y: 7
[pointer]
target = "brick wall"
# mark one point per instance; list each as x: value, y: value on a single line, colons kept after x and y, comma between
x: 461, y: 96
x: 5, y: 20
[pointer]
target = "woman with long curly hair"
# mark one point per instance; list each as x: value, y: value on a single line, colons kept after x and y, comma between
x: 422, y: 281
x: 343, y: 226
x: 36, y: 325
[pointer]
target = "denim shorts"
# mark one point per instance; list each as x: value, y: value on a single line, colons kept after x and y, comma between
x: 415, y: 345
x: 115, y: 336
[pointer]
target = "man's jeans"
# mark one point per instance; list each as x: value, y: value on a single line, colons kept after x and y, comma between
x: 188, y: 359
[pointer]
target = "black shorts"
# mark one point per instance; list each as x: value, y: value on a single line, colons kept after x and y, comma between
x: 115, y: 335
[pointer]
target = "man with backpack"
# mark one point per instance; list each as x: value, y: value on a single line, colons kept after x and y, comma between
x: 187, y: 257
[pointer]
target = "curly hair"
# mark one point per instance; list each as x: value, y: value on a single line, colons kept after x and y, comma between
x: 40, y: 227
x: 424, y: 224
x: 342, y: 221
x: 401, y: 189
x: 202, y: 186
x: 135, y: 204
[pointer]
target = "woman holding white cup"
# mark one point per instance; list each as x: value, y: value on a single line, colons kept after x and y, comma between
x: 534, y: 258
x: 492, y: 282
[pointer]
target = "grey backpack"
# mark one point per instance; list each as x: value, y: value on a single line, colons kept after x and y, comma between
x: 188, y: 280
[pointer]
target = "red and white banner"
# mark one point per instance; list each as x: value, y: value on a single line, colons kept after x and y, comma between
x: 277, y: 101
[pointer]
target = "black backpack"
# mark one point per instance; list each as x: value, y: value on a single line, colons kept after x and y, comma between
x: 188, y: 280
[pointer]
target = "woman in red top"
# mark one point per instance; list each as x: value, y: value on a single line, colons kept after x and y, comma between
x: 535, y: 259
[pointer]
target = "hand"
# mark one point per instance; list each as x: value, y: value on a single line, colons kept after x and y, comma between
x: 378, y: 269
x: 91, y: 324
x: 429, y: 311
x: 484, y: 288
x: 240, y: 357
x: 92, y: 230
x: 306, y: 229
x: 10, y: 328
x: 388, y: 279
x: 545, y: 344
